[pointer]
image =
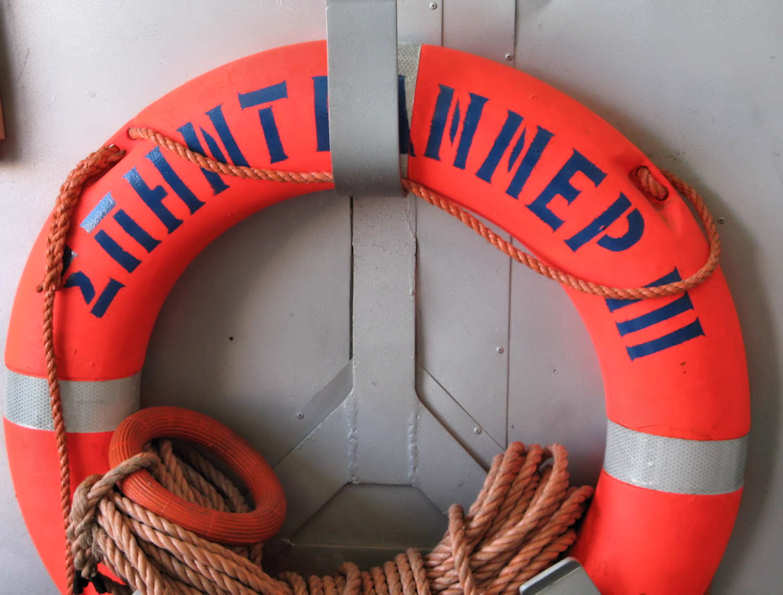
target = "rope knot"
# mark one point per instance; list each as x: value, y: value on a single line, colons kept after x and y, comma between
x: 85, y: 517
x: 648, y: 184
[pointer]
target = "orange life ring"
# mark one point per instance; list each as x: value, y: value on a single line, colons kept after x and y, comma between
x: 503, y: 145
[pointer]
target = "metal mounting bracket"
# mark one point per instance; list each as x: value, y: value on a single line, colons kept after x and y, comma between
x: 372, y: 442
x: 362, y: 89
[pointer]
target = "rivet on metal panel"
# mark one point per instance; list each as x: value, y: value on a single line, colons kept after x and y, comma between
x: 433, y: 6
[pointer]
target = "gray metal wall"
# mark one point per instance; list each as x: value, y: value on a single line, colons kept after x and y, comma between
x: 696, y: 84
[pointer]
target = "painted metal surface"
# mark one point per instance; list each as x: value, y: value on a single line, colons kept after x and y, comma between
x: 258, y: 330
x: 420, y: 21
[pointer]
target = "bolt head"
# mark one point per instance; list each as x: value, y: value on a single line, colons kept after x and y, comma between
x: 433, y: 6
x: 508, y: 57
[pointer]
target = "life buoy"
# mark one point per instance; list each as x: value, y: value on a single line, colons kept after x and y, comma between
x: 503, y: 145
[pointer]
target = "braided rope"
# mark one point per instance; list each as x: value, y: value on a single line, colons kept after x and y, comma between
x: 642, y: 176
x: 520, y: 522
x: 238, y: 171
x: 87, y: 170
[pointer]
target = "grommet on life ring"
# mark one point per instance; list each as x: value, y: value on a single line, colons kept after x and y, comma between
x: 501, y: 144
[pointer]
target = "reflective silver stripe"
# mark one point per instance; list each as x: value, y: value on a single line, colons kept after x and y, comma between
x: 88, y: 406
x: 674, y: 464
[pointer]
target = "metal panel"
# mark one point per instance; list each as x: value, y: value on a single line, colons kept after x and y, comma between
x: 463, y: 288
x: 384, y: 245
x: 390, y: 438
x: 485, y: 29
x: 442, y: 469
x: 463, y: 427
x: 401, y: 516
x: 416, y: 527
x: 380, y: 434
x: 419, y: 21
x: 256, y: 346
x: 555, y: 389
x: 316, y: 469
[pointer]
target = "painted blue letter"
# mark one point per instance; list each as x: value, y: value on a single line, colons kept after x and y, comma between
x: 320, y: 86
x: 529, y: 161
x: 561, y: 186
x: 173, y: 180
x: 503, y: 140
x: 153, y: 198
x: 271, y: 134
x: 604, y: 220
x: 82, y: 281
x: 469, y: 125
x: 136, y: 231
x: 682, y: 304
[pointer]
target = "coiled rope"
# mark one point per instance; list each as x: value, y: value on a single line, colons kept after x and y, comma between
x: 520, y: 522
x: 106, y: 157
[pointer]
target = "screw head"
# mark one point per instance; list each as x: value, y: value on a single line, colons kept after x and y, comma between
x: 508, y: 57
x: 500, y: 349
x: 477, y: 429
x: 299, y: 415
x: 433, y: 6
